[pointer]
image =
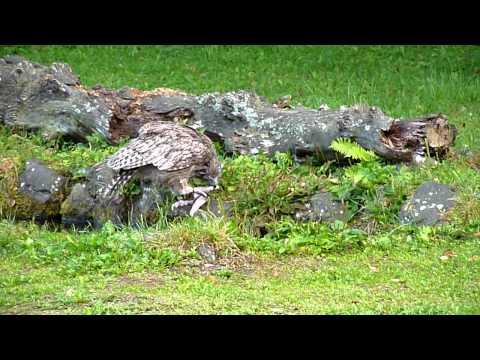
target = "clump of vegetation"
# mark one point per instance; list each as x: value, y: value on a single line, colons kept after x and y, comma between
x: 313, y: 238
x: 370, y: 186
x: 186, y: 235
x: 59, y: 154
x: 264, y: 189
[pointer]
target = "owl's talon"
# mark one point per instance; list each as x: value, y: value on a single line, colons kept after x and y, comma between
x: 181, y: 203
x: 199, y: 192
x: 203, y: 190
x: 198, y: 203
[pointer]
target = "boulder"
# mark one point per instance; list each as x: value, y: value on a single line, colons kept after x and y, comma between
x: 142, y: 206
x: 207, y: 253
x: 148, y: 206
x: 322, y: 207
x: 83, y: 207
x: 428, y: 205
x: 219, y: 208
x: 41, y: 192
x: 77, y: 209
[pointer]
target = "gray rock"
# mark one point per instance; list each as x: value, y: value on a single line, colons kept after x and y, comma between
x: 179, y: 211
x: 42, y: 190
x: 324, y: 208
x: 219, y: 208
x: 98, y: 178
x: 83, y: 205
x: 77, y: 209
x: 13, y: 59
x: 428, y: 205
x: 126, y: 93
x: 207, y: 253
x: 40, y: 183
x: 114, y: 209
x: 147, y: 207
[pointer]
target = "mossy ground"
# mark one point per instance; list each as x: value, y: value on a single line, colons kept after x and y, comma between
x: 269, y: 263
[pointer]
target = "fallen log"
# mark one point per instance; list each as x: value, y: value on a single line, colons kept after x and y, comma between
x: 52, y: 100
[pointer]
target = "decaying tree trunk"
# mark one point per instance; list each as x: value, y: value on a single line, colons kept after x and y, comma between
x: 247, y: 124
x: 51, y: 100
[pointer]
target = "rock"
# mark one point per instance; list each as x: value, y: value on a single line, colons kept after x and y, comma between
x: 12, y: 59
x: 83, y: 207
x: 42, y: 194
x: 126, y: 93
x: 39, y: 182
x: 147, y: 207
x: 114, y: 209
x: 207, y: 253
x: 42, y: 189
x: 77, y: 208
x: 428, y: 205
x: 324, y: 208
x: 215, y: 208
x: 219, y: 208
x: 179, y: 211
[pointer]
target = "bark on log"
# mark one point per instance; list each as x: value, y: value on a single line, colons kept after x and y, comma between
x: 51, y: 99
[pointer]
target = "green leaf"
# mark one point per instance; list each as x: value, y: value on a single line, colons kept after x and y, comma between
x: 351, y: 149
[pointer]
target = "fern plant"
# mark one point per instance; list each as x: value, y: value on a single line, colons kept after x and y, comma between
x: 359, y: 182
x: 360, y: 177
x: 369, y: 184
x: 352, y: 150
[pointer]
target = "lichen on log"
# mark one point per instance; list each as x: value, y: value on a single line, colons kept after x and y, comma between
x: 52, y: 101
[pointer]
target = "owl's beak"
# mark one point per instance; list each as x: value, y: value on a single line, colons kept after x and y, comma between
x: 214, y: 183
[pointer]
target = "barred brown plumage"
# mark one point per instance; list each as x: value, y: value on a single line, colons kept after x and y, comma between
x: 168, y: 154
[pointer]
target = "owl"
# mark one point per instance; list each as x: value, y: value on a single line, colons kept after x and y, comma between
x: 167, y: 154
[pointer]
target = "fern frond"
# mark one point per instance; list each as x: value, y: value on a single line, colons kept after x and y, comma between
x: 351, y: 149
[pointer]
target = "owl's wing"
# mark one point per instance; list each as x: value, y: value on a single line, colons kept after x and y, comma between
x: 133, y: 155
x: 168, y: 151
x: 185, y: 153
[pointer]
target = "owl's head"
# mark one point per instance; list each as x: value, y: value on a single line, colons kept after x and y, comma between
x: 212, y: 171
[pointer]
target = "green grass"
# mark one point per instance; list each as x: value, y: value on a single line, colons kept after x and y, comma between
x: 294, y: 269
x: 403, y: 280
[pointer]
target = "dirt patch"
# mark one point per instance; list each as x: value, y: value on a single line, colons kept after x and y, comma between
x: 236, y: 262
x: 30, y: 309
x: 126, y: 298
x: 250, y: 265
x: 150, y: 280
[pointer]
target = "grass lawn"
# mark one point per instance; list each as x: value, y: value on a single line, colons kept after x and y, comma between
x: 296, y: 269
